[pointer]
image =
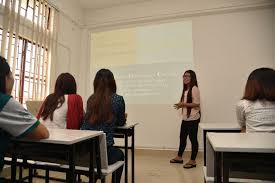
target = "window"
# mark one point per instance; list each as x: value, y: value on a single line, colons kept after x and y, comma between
x: 26, y: 40
x: 28, y: 70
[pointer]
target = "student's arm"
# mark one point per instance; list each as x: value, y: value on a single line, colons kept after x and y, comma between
x: 40, y: 132
x: 75, y: 112
x: 20, y: 123
x: 195, y: 100
x: 120, y: 111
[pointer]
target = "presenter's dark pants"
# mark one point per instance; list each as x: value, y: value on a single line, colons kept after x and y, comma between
x: 114, y: 155
x: 189, y: 128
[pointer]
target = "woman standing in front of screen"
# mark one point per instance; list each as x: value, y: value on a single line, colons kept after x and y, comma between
x: 190, y: 105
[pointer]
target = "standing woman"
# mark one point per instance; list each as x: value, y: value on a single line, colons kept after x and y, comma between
x: 63, y: 109
x: 190, y: 105
x: 105, y: 110
x: 256, y: 110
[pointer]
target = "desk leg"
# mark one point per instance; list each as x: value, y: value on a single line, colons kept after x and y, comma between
x: 133, y: 155
x: 204, y: 147
x: 91, y: 168
x: 71, y: 173
x: 225, y: 168
x: 126, y: 156
x: 217, y: 167
x: 98, y: 159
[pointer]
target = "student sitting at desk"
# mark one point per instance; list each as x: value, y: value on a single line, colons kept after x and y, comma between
x: 105, y: 109
x: 15, y: 121
x: 64, y: 108
x: 256, y: 110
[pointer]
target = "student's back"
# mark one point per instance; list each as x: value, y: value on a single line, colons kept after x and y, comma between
x: 62, y: 109
x: 256, y: 111
x: 105, y: 109
x: 118, y: 107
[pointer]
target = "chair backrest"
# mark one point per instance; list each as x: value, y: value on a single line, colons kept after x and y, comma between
x: 34, y: 106
x: 103, y: 151
x: 83, y: 157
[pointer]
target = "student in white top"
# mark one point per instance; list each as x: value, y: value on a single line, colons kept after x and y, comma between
x: 256, y: 110
x: 62, y: 109
x: 190, y: 105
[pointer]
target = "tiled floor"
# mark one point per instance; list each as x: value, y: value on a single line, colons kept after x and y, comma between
x: 154, y: 167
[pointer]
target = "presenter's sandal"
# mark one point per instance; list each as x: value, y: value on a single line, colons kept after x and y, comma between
x: 189, y: 165
x: 176, y: 161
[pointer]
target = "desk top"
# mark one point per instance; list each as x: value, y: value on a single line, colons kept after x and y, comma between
x: 242, y: 142
x: 66, y: 136
x: 220, y: 126
x: 127, y: 126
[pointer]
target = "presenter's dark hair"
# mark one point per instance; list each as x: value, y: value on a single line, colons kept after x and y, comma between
x: 260, y: 85
x: 99, y: 103
x: 64, y: 85
x: 192, y: 83
x: 4, y: 72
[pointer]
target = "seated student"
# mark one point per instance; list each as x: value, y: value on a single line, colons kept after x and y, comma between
x: 105, y: 109
x: 15, y: 121
x: 62, y: 109
x: 256, y: 110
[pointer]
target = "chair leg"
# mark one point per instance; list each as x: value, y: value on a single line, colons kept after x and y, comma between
x: 78, y: 178
x: 20, y: 173
x: 47, y: 176
x: 30, y: 175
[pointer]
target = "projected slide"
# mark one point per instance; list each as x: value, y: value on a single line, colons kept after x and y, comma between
x: 148, y: 61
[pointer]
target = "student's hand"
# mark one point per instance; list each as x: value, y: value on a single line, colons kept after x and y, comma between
x: 177, y: 106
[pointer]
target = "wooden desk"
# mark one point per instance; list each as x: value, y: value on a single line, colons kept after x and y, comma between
x: 128, y: 130
x: 218, y: 128
x: 61, y: 142
x: 233, y: 146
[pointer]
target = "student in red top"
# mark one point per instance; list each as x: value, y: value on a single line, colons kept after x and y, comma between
x: 62, y: 109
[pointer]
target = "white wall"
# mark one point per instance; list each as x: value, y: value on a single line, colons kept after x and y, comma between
x: 72, y: 45
x: 231, y: 38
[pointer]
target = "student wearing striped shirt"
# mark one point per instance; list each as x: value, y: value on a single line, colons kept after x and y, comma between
x: 15, y: 121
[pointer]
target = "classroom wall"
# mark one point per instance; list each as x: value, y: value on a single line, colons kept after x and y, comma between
x: 72, y: 49
x: 231, y: 38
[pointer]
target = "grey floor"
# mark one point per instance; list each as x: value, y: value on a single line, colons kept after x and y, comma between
x: 153, y: 167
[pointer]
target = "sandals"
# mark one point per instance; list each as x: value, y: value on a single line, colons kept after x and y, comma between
x: 176, y: 161
x: 189, y: 165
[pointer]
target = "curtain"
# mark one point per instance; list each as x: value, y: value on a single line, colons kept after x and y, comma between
x: 29, y: 31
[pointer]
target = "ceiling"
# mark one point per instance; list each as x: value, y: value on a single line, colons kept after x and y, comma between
x: 99, y: 4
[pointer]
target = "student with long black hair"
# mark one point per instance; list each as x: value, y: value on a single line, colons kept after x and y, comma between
x: 190, y: 105
x: 105, y: 110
